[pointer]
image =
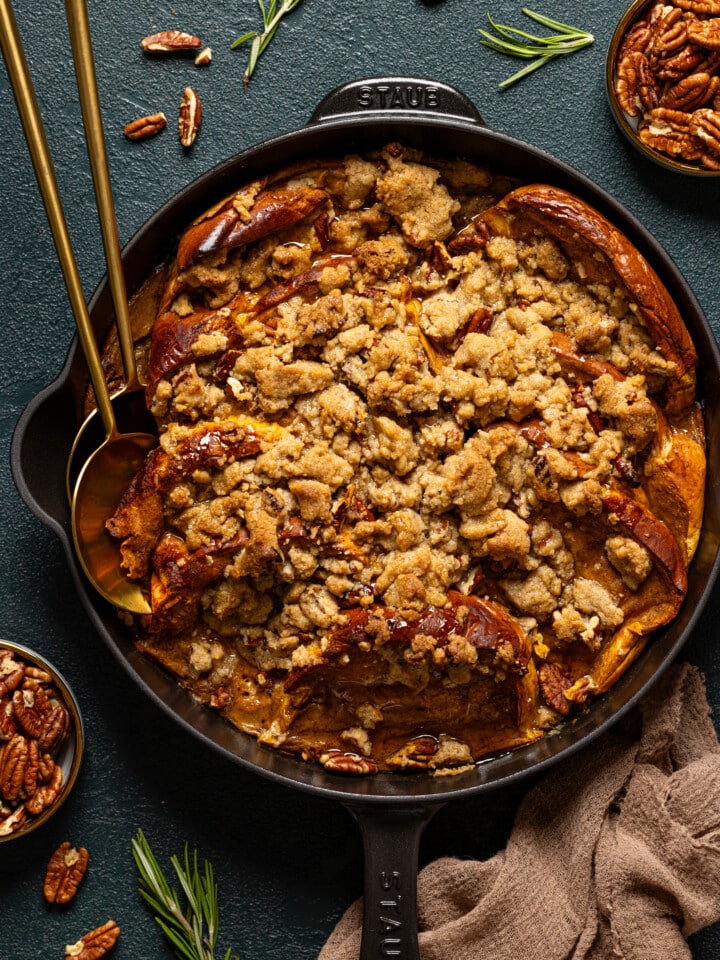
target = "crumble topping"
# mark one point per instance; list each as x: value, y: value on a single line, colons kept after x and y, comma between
x: 388, y: 429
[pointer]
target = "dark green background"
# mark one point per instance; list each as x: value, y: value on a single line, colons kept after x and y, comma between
x: 287, y: 864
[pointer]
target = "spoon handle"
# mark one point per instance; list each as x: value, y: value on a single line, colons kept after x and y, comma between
x: 17, y: 69
x: 81, y: 43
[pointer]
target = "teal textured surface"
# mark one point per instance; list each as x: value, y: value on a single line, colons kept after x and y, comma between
x: 288, y: 864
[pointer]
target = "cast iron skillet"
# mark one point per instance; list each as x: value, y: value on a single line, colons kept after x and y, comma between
x: 392, y: 809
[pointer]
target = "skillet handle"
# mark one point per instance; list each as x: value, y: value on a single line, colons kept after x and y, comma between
x: 391, y: 842
x: 392, y: 97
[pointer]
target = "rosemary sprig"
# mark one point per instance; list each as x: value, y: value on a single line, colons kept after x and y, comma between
x: 529, y: 46
x: 185, y: 927
x: 271, y: 16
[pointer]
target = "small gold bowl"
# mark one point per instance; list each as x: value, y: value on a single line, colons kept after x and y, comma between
x: 629, y: 125
x: 23, y: 810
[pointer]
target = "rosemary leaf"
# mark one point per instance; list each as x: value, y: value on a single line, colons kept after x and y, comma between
x: 528, y: 46
x: 549, y: 22
x: 192, y: 929
x: 271, y: 17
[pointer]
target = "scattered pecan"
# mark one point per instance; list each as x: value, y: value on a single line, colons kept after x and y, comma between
x: 94, y: 944
x: 64, y: 874
x: 145, y: 127
x: 204, y: 57
x: 190, y: 117
x: 170, y: 41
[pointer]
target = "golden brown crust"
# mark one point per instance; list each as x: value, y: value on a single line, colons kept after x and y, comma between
x: 430, y: 468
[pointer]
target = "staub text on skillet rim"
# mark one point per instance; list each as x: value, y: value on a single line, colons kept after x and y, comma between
x: 392, y: 808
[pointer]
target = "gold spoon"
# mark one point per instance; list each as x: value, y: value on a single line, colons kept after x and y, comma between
x: 128, y: 402
x: 109, y: 470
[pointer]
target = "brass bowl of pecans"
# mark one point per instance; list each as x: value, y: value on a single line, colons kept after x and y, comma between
x: 41, y: 741
x: 663, y: 82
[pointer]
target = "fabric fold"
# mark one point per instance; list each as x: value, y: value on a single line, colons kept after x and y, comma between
x: 615, y: 853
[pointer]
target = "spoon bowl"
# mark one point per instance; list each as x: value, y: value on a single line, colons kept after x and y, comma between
x: 131, y: 416
x: 99, y: 487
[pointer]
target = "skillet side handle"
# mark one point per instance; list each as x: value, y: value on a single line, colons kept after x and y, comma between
x: 389, y: 97
x: 391, y: 842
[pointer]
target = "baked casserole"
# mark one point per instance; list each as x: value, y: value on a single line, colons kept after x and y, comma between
x: 431, y: 465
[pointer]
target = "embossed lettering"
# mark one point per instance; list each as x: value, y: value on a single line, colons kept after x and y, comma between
x: 365, y: 97
x: 390, y: 881
x: 431, y: 98
x: 392, y: 904
x: 390, y: 947
x: 390, y: 923
x: 398, y: 97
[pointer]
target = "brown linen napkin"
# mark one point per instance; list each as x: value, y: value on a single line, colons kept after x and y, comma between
x: 614, y: 854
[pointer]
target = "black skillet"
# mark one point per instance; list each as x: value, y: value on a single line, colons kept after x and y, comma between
x: 391, y: 809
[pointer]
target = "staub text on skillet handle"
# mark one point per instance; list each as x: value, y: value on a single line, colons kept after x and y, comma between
x: 391, y: 841
x: 396, y: 96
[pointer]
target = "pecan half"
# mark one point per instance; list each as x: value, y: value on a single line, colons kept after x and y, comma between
x: 670, y: 32
x: 348, y: 763
x: 669, y: 132
x: 8, y: 723
x: 145, y: 127
x: 691, y: 92
x: 705, y: 33
x: 635, y: 85
x: 55, y: 729
x: 170, y: 41
x: 13, y: 763
x: 46, y: 794
x: 13, y: 821
x: 553, y: 683
x: 705, y: 125
x: 684, y: 61
x: 11, y: 673
x: 204, y: 57
x: 637, y: 38
x: 190, y: 117
x: 699, y: 6
x: 32, y: 709
x: 94, y: 944
x: 65, y: 871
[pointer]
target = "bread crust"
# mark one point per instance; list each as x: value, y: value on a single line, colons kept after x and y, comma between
x: 406, y: 477
x: 575, y: 223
